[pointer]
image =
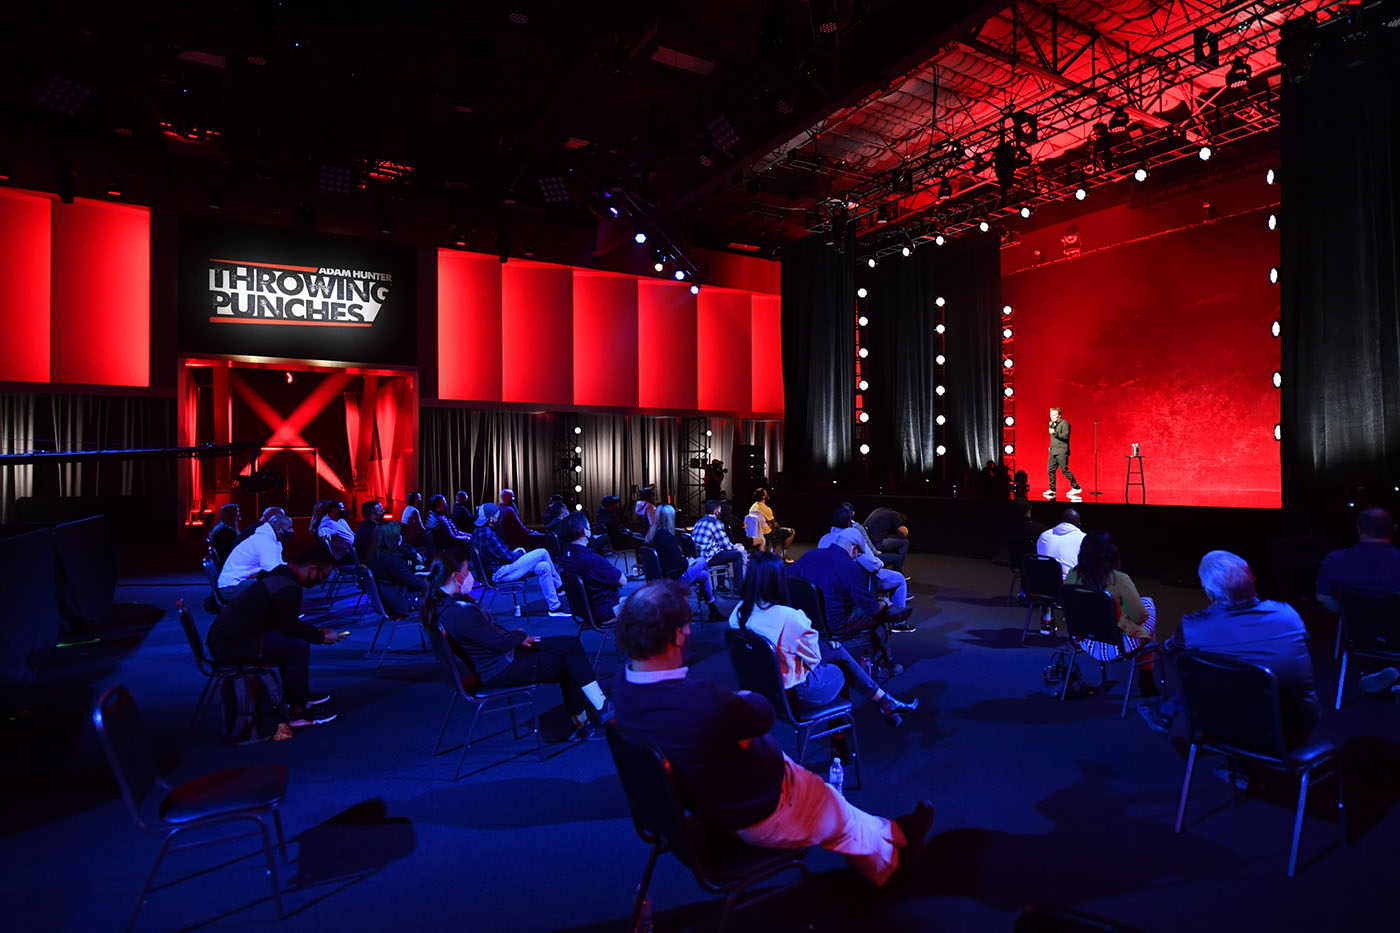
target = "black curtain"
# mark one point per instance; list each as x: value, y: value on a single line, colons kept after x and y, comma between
x: 1340, y: 270
x: 818, y: 291
x: 903, y: 371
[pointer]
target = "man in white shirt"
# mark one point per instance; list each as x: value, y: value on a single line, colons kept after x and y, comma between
x: 1062, y: 543
x: 337, y: 530
x: 260, y: 551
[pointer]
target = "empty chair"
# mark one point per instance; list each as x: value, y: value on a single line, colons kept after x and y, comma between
x: 582, y: 611
x: 376, y: 601
x: 1369, y: 628
x: 1090, y: 616
x: 214, y: 674
x: 1041, y: 576
x: 249, y: 794
x: 721, y: 862
x: 459, y: 674
x: 756, y: 668
x: 1233, y: 709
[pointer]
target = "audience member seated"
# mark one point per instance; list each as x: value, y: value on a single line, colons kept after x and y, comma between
x: 775, y: 538
x: 1371, y: 565
x: 712, y: 544
x: 554, y: 513
x: 673, y: 563
x: 851, y: 609
x: 462, y: 514
x: 1240, y: 625
x: 1101, y: 568
x: 372, y: 513
x: 511, y: 529
x: 814, y: 670
x: 1062, y: 543
x: 503, y: 565
x: 443, y: 530
x: 645, y: 507
x: 511, y: 658
x: 398, y: 587
x: 262, y: 625
x: 890, y: 532
x: 267, y: 513
x: 224, y: 535
x: 414, y: 531
x: 732, y: 772
x: 610, y: 523
x: 328, y: 522
x: 259, y: 552
x: 602, y: 581
x: 1023, y: 527
x: 847, y: 536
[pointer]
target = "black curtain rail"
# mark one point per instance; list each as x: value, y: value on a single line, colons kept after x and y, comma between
x: 145, y: 453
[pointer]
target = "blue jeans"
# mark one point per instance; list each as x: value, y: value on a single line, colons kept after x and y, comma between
x: 825, y: 681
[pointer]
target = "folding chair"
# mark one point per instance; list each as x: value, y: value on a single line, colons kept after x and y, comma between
x: 214, y: 674
x: 650, y: 562
x: 1041, y: 576
x: 376, y: 601
x: 466, y: 686
x: 1017, y: 548
x: 582, y: 611
x: 516, y: 588
x: 1369, y: 627
x: 1090, y: 615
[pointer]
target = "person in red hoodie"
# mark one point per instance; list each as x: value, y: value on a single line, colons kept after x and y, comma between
x: 512, y: 529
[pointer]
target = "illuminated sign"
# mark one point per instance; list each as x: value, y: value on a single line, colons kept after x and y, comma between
x: 267, y: 293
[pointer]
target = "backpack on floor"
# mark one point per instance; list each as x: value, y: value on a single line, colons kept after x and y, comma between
x: 253, y: 706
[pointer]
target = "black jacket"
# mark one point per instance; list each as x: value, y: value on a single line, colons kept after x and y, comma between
x: 486, y: 646
x: 272, y: 604
x: 1059, y: 441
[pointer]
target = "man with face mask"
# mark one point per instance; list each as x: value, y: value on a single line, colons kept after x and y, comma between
x: 731, y: 769
x: 260, y: 551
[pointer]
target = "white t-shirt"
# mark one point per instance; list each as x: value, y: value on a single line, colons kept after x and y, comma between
x: 1062, y: 543
x: 259, y: 551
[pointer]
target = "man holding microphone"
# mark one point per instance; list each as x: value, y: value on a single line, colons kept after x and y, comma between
x: 1059, y: 456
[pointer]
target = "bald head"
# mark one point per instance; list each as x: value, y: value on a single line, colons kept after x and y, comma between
x: 1375, y: 525
x: 1070, y: 516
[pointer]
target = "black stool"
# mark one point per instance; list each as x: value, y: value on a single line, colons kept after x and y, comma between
x: 1130, y: 483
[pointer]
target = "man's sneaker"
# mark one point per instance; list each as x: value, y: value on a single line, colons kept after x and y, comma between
x: 1075, y: 493
x: 1047, y: 626
x: 588, y: 732
x: 1049, y: 493
x: 1381, y: 681
x: 303, y: 718
x: 904, y: 625
x: 317, y: 701
x: 560, y: 614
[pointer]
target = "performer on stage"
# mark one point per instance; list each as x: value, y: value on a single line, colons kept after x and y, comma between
x: 1059, y: 456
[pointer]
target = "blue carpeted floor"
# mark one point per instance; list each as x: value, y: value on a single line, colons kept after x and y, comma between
x: 1038, y: 802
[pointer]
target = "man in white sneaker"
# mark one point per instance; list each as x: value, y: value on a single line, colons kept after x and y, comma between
x: 1059, y: 457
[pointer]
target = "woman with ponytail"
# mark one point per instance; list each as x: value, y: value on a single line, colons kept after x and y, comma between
x: 510, y: 658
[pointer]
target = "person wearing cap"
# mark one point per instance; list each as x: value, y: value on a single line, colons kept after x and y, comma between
x: 555, y: 513
x: 503, y: 565
x: 851, y: 539
x: 618, y: 537
x: 259, y: 552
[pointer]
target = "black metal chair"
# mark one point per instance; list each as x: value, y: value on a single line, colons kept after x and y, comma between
x: 1369, y: 628
x: 1090, y: 616
x: 1041, y: 576
x: 582, y: 611
x: 516, y: 588
x: 1017, y: 547
x: 376, y: 601
x: 214, y: 674
x: 551, y: 544
x: 211, y: 572
x: 214, y: 556
x: 651, y: 563
x: 462, y: 678
x: 804, y: 595
x: 248, y: 794
x: 721, y: 862
x: 687, y: 544
x: 756, y: 667
x: 342, y: 572
x: 1233, y: 709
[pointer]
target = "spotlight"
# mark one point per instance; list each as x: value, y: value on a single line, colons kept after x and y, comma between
x: 578, y: 469
x: 578, y: 450
x: 1005, y: 310
x: 1008, y: 392
x: 938, y: 240
x: 1025, y: 212
x: 680, y: 275
x: 709, y: 433
x: 939, y: 301
x: 578, y: 430
x: 984, y: 226
x: 940, y: 450
x: 1080, y: 194
x: 1205, y: 153
x: 695, y: 289
x: 1275, y: 329
x: 578, y: 488
x: 1269, y: 177
x: 289, y: 377
x: 870, y: 262
x: 862, y: 320
x: 1009, y: 449
x: 940, y: 420
x: 578, y: 507
x: 862, y: 353
x: 1006, y: 333
x: 945, y: 190
x: 1273, y: 221
x: 1010, y: 421
x: 1278, y: 379
x: 940, y: 359
x: 1273, y: 275
x: 1118, y: 123
x: 1238, y: 75
x: 863, y: 417
x: 939, y: 329
x: 939, y: 389
x: 905, y: 252
x: 864, y: 449
x: 861, y: 292
x: 1278, y: 432
x: 659, y: 266
x: 1140, y: 174
x: 1006, y: 363
x: 863, y: 385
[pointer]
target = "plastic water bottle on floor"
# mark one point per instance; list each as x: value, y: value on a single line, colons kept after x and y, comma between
x: 836, y: 777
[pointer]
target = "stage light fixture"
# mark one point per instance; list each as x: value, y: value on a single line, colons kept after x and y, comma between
x: 578, y: 430
x: 940, y: 301
x: 578, y: 507
x: 940, y: 450
x: 578, y: 488
x: 1278, y: 432
x: 709, y: 433
x: 1006, y: 363
x: 870, y: 262
x: 1269, y: 177
x: 1118, y: 123
x: 1008, y: 449
x: 938, y: 329
x: 1006, y: 333
x: 861, y: 292
x: 905, y: 252
x: 939, y: 390
x: 1278, y: 379
x: 1025, y: 213
x: 695, y: 289
x: 114, y: 186
x: 578, y: 469
x: 1273, y: 221
x: 554, y: 189
x: 940, y: 420
x: 1238, y: 75
x: 940, y: 359
x: 1010, y: 421
x: 1275, y: 329
x: 289, y: 377
x: 863, y: 417
x: 659, y: 266
x: 1273, y: 275
x: 1080, y: 194
x: 862, y: 353
x: 945, y: 190
x: 864, y: 449
x: 679, y: 275
x: 1205, y: 153
x: 862, y: 320
x: 1008, y: 392
x: 1140, y: 174
x: 862, y: 385
x: 640, y: 237
x: 578, y: 450
x: 1005, y: 310
x: 613, y: 211
x: 938, y: 240
x: 984, y: 226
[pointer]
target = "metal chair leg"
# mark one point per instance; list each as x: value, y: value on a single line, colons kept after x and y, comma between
x: 1185, y: 787
x: 1026, y: 629
x: 855, y: 751
x: 1298, y: 822
x: 205, y: 696
x: 1069, y: 669
x: 1128, y: 691
x: 150, y: 880
x: 1337, y: 646
x: 271, y: 866
x: 281, y: 839
x: 437, y: 746
x: 1342, y: 678
x: 467, y: 740
x: 1342, y: 806
x: 640, y: 899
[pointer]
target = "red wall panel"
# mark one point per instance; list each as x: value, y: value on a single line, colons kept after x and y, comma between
x: 25, y: 269
x: 666, y: 318
x: 723, y: 338
x: 605, y: 340
x: 767, y: 352
x: 101, y: 294
x: 469, y: 326
x: 536, y: 312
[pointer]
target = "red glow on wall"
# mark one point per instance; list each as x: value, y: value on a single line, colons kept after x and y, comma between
x: 666, y: 315
x: 766, y: 371
x: 101, y: 296
x: 723, y: 335
x: 606, y: 341
x: 536, y: 312
x: 469, y: 326
x: 24, y: 267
